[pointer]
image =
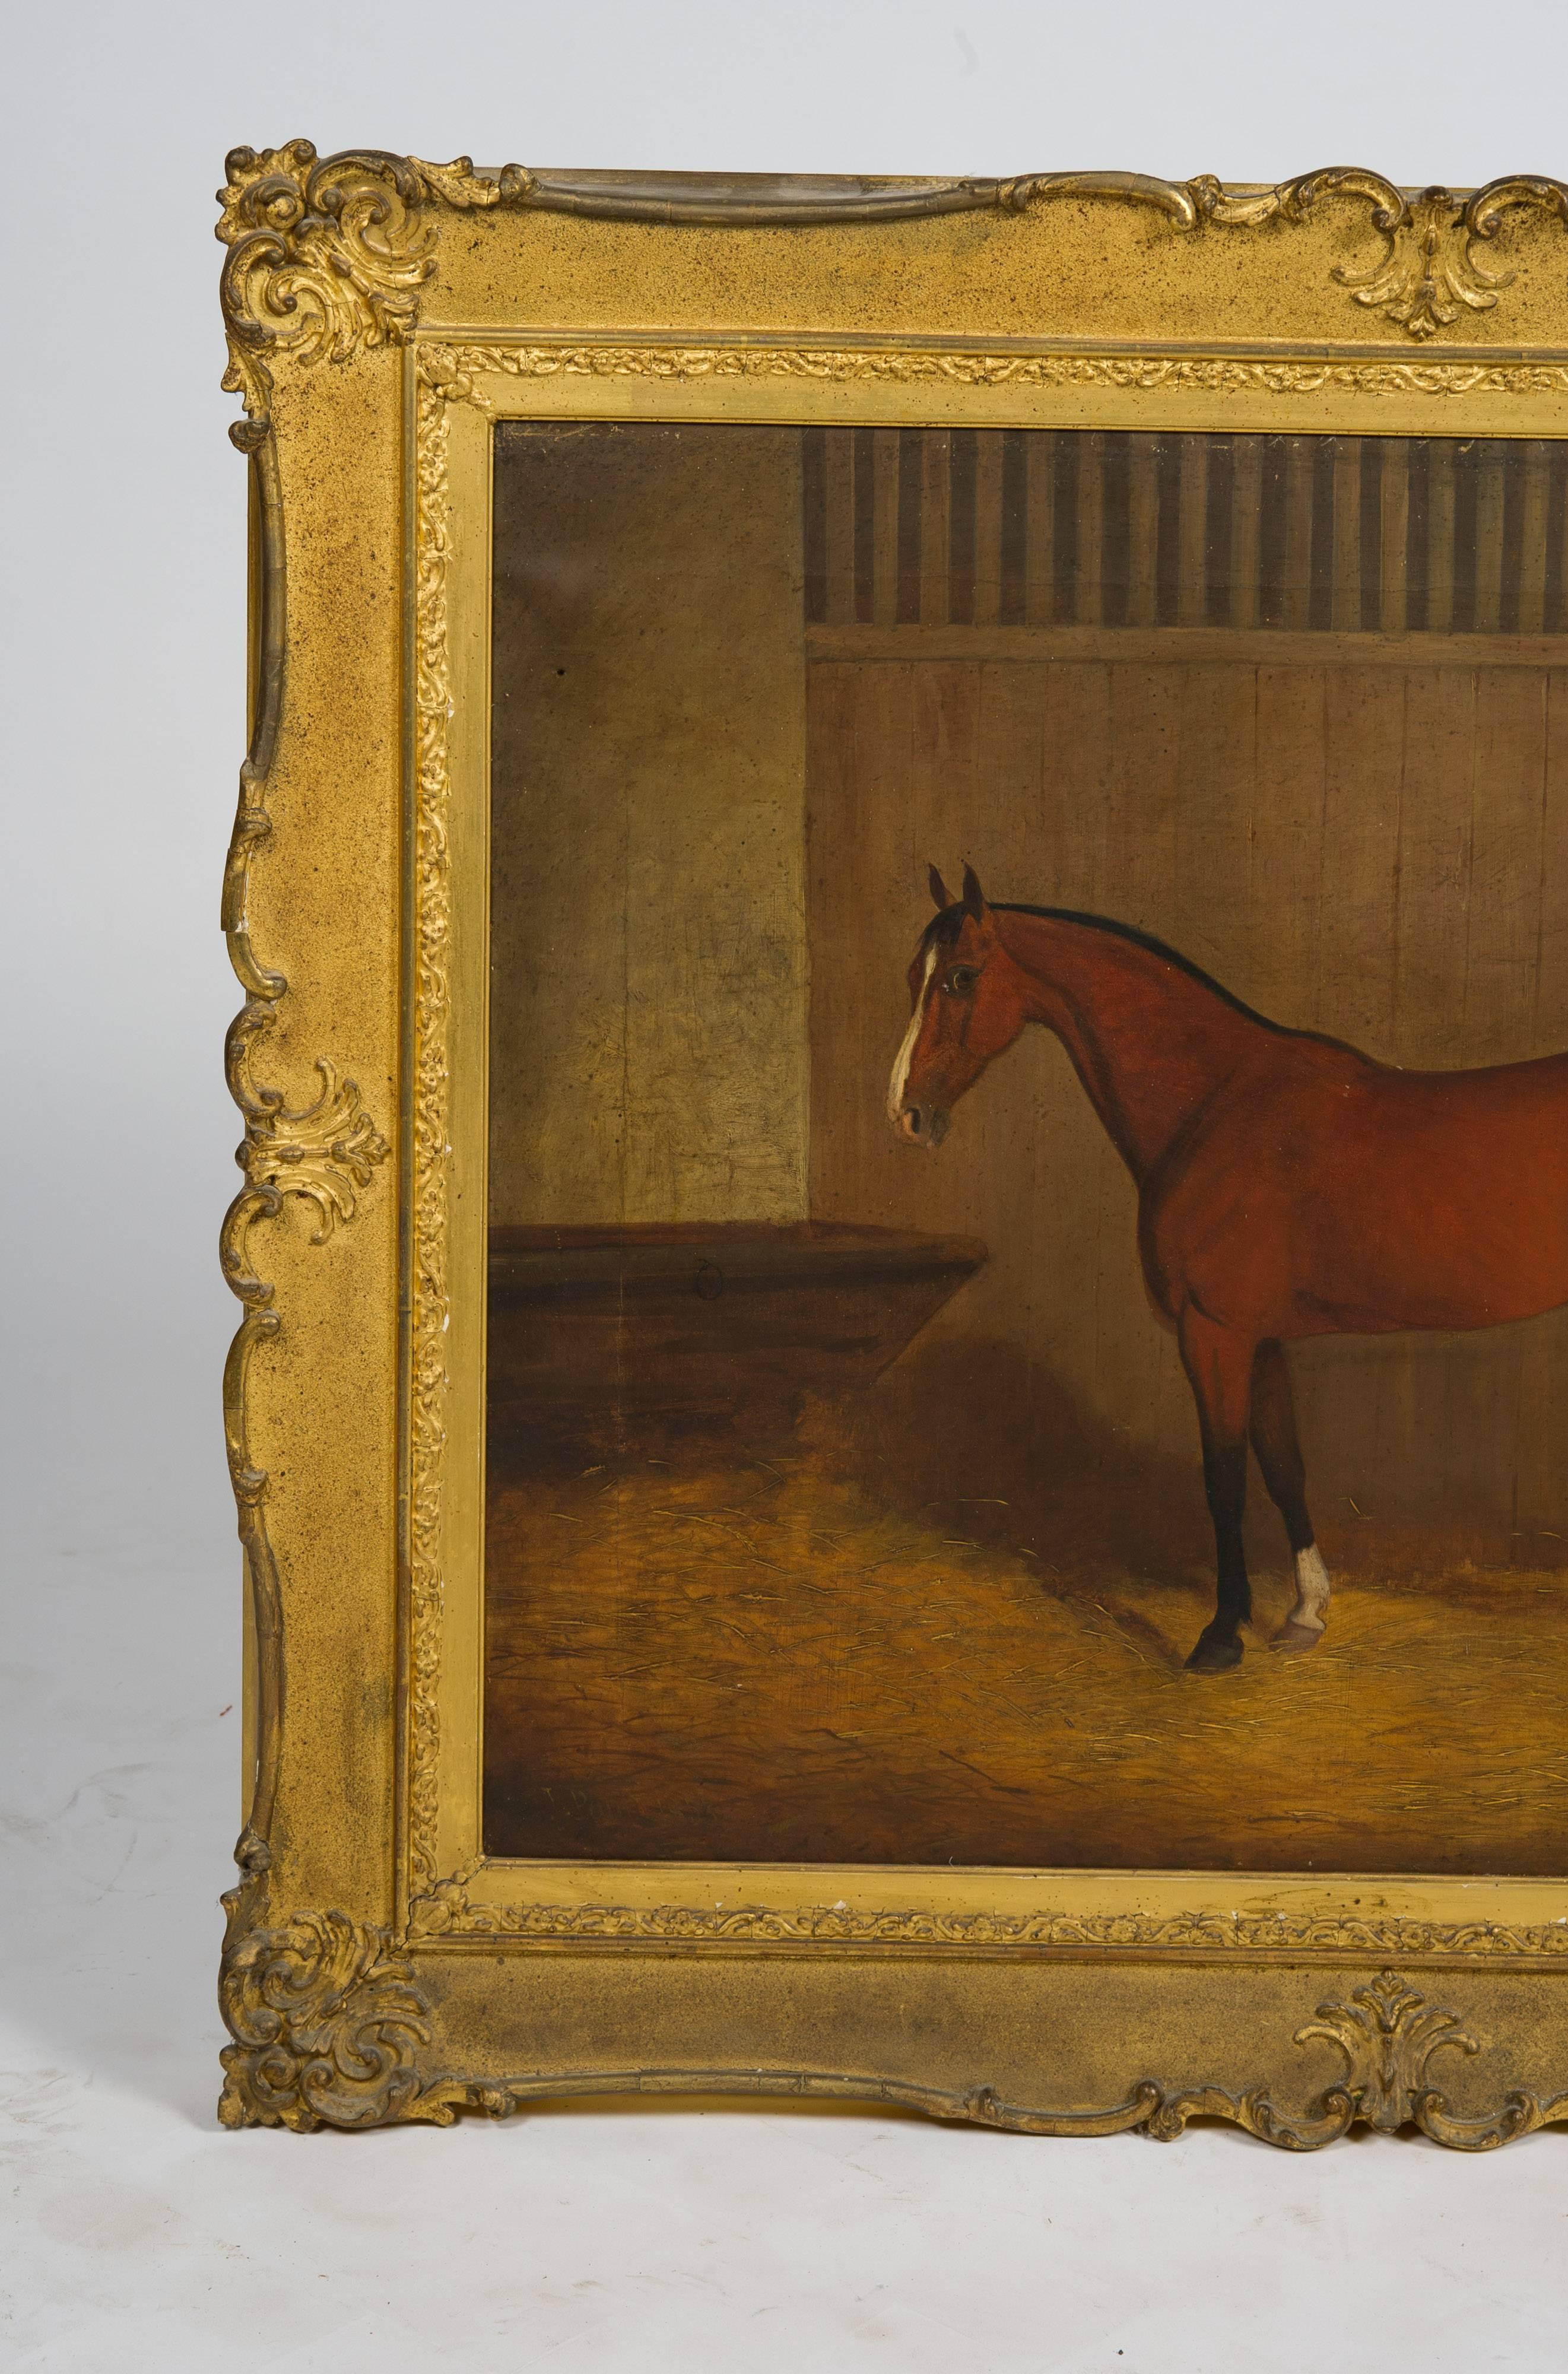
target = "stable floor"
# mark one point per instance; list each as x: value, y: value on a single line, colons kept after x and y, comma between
x: 783, y: 1650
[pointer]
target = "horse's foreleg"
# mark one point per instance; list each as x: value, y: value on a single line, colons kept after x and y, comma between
x: 1279, y: 1457
x: 1219, y: 1365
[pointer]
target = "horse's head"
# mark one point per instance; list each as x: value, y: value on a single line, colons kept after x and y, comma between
x: 966, y: 1005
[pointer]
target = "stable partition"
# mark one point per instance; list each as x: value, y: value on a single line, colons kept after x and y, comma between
x: 1350, y: 825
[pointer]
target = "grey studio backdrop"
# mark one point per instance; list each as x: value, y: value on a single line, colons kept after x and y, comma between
x: 597, y: 2236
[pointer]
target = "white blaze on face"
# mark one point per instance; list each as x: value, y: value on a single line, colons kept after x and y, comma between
x: 900, y: 1080
x: 1311, y: 1609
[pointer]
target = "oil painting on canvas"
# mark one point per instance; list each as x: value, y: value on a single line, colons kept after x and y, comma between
x: 1028, y: 1315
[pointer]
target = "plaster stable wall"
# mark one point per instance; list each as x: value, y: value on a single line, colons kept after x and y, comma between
x: 648, y: 1025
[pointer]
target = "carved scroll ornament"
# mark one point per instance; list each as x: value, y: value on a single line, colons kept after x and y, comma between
x: 328, y: 2020
x: 324, y: 1150
x: 1429, y: 274
x: 329, y: 256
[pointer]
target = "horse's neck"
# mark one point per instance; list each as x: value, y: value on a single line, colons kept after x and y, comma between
x: 1150, y: 1042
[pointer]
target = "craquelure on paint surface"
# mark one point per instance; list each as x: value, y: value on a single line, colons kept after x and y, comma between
x: 931, y: 1609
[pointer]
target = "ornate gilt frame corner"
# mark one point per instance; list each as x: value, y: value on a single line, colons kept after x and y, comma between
x: 328, y: 2019
x: 347, y: 2015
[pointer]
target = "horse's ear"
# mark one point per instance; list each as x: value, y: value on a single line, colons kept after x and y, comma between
x: 939, y: 891
x: 973, y: 897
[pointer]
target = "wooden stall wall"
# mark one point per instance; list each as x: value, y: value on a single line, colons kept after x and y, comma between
x: 1298, y: 707
x: 1038, y: 528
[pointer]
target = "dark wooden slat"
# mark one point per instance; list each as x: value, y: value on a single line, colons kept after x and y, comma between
x: 1330, y: 535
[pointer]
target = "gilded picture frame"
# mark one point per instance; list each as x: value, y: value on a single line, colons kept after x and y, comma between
x: 382, y: 315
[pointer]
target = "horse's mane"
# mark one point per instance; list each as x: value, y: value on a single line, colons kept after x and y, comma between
x: 944, y: 929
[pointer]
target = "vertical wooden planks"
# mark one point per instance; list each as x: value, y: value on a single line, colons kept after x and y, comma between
x: 1143, y: 529
x: 814, y: 522
x: 1534, y: 467
x: 1440, y: 503
x: 1192, y: 588
x: 1011, y: 839
x: 1430, y: 924
x: 1295, y: 604
x: 1505, y: 862
x: 1246, y: 522
x: 1285, y: 870
x: 1013, y: 529
x: 963, y: 443
x: 1138, y: 1386
x: 1332, y: 534
x: 1215, y: 763
x: 864, y: 497
x: 885, y: 528
x: 988, y: 527
x: 1556, y: 598
x: 1490, y: 492
x: 1393, y: 529
x: 1040, y: 519
x: 839, y: 474
x: 1346, y: 597
x: 935, y: 492
x: 1363, y: 790
x: 1088, y: 580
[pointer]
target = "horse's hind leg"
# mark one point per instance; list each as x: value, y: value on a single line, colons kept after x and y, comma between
x: 1278, y: 1453
x: 1219, y: 1365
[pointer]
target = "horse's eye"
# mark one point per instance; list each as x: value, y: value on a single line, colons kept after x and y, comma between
x: 961, y: 980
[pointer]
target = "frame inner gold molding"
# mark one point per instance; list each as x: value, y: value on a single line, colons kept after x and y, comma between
x: 451, y: 1893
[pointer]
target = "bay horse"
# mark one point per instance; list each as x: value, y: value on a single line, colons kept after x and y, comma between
x: 1288, y: 1184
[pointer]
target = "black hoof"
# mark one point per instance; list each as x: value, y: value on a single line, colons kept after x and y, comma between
x: 1216, y: 1652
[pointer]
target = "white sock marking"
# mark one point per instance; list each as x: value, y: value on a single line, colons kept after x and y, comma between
x: 897, y: 1085
x: 1312, y: 1589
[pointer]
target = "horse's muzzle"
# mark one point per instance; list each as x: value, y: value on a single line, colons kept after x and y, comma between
x: 923, y: 1125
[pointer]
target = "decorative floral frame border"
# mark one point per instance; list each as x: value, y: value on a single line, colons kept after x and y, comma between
x: 333, y: 2016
